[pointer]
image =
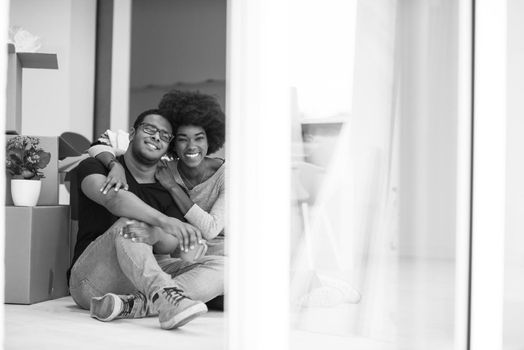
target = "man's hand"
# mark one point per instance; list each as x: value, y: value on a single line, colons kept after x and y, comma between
x: 140, y: 232
x: 116, y: 178
x: 188, y: 235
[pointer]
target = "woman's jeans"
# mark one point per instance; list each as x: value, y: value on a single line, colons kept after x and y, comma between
x: 114, y: 264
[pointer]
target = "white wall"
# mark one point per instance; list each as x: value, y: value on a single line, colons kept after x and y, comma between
x: 176, y: 42
x: 54, y: 101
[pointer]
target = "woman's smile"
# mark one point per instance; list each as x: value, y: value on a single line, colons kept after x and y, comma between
x: 192, y: 154
x: 191, y: 144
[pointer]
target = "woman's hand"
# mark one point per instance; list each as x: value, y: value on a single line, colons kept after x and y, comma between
x: 140, y: 232
x: 165, y: 176
x: 116, y: 178
x: 188, y: 236
x: 195, y: 254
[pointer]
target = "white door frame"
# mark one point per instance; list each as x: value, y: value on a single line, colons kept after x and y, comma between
x: 121, y: 65
x: 489, y: 174
x: 464, y: 161
x: 259, y: 175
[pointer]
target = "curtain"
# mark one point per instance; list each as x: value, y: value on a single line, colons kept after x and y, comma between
x: 349, y: 235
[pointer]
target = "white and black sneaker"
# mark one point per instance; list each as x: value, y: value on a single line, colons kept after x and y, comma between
x: 175, y: 309
x: 112, y: 306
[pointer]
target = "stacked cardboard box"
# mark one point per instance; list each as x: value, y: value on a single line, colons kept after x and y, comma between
x: 37, y: 241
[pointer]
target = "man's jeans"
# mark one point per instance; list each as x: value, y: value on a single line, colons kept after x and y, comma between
x: 114, y: 264
x: 216, y: 246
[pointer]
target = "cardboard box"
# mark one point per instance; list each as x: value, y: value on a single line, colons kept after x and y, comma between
x: 37, y: 253
x: 49, y: 191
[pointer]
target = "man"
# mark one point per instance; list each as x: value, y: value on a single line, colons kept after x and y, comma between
x: 119, y: 276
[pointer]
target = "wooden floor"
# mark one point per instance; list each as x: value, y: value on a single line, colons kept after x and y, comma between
x: 425, y: 320
x: 60, y: 324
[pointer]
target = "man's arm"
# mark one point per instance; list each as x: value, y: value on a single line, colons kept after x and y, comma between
x: 140, y: 232
x: 163, y: 243
x: 126, y: 204
x: 166, y: 243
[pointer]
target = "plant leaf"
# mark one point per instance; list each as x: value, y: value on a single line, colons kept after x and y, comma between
x: 14, y: 157
x: 45, y: 158
x: 27, y: 174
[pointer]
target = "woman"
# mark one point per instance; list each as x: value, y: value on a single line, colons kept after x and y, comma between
x: 194, y: 180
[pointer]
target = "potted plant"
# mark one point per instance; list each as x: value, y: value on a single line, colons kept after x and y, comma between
x: 24, y: 161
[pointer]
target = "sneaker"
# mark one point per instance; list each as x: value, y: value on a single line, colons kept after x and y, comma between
x: 175, y: 309
x: 112, y: 306
x: 349, y: 293
x: 332, y: 293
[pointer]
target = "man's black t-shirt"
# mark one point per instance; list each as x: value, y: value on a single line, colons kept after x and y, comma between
x: 94, y: 219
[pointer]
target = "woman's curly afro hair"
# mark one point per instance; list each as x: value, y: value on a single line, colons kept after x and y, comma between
x: 195, y: 108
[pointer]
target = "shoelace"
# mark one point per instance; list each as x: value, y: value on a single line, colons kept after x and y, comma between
x: 128, y: 304
x: 173, y: 294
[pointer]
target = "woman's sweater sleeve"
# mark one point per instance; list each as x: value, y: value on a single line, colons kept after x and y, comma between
x: 212, y: 223
x: 113, y: 142
x: 97, y: 149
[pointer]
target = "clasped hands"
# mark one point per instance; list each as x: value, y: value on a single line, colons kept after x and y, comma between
x: 189, y: 239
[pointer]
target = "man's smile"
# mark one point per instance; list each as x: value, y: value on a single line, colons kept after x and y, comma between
x: 152, y: 146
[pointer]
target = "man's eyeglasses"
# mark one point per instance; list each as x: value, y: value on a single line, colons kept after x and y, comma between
x: 152, y: 130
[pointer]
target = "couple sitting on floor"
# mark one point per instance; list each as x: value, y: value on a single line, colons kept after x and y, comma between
x: 150, y: 238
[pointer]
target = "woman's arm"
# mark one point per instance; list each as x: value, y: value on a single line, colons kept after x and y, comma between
x: 210, y: 224
x: 117, y: 176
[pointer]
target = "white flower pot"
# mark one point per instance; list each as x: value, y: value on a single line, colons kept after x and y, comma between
x: 25, y: 193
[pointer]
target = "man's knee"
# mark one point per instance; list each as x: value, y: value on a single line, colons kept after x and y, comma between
x: 118, y: 225
x: 126, y: 245
x: 82, y: 294
x: 216, y: 262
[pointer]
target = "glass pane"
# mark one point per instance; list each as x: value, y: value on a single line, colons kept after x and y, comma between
x: 374, y: 175
x: 514, y: 246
